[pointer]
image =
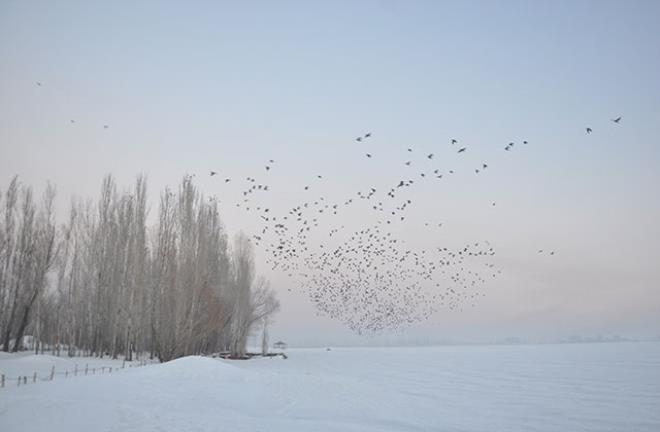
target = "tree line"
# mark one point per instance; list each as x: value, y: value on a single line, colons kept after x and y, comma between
x: 106, y: 283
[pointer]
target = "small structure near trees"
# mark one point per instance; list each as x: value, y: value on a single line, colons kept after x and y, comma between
x: 279, y: 345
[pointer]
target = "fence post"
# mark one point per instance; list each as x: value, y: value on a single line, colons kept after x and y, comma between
x: 34, y: 377
x: 2, y: 381
x: 52, y: 373
x: 24, y: 380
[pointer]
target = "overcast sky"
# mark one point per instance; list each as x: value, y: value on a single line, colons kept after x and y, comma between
x: 188, y: 87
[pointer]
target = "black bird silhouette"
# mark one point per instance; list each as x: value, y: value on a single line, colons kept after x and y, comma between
x: 589, y: 130
x: 430, y: 156
x: 105, y: 126
x: 368, y: 155
x: 617, y: 120
x: 409, y: 149
x: 358, y: 139
x: 213, y: 173
x: 525, y: 142
x: 38, y: 83
x: 408, y: 163
x: 367, y: 135
x: 267, y: 168
x: 227, y: 180
x: 461, y: 150
x: 453, y: 141
x: 484, y: 166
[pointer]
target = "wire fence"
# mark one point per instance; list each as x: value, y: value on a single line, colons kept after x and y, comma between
x: 6, y: 381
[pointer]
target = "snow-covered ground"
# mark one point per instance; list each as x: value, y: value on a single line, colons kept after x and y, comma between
x: 591, y: 387
x: 26, y: 364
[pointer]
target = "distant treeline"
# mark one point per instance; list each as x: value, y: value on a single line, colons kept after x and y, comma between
x: 105, y: 282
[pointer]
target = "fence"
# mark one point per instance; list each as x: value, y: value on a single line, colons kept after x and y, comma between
x: 5, y: 381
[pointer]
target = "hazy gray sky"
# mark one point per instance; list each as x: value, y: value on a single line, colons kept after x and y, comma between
x: 186, y: 88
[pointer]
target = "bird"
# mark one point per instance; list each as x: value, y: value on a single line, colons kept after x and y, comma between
x: 589, y: 130
x: 461, y: 150
x: 484, y: 166
x: 408, y: 163
x: 409, y: 149
x: 617, y: 120
x: 493, y: 203
x: 430, y: 156
x: 267, y: 168
x: 212, y: 173
x: 105, y: 126
x: 358, y: 139
x: 227, y: 180
x: 38, y: 83
x: 368, y: 155
x: 72, y: 121
x: 367, y: 135
x: 525, y: 142
x: 453, y: 141
x: 319, y: 176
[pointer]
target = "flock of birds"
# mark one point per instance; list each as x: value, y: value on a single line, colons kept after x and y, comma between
x: 369, y: 279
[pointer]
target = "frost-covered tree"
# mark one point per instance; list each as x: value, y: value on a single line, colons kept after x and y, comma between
x: 105, y: 283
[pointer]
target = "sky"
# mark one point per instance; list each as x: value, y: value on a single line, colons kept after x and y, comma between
x: 186, y: 88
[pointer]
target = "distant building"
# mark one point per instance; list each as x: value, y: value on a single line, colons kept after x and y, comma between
x: 279, y: 345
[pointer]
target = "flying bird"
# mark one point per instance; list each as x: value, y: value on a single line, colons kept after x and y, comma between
x: 368, y: 155
x: 430, y: 156
x: 617, y: 120
x: 589, y: 130
x: 212, y: 173
x: 367, y: 135
x: 105, y: 126
x: 453, y: 141
x: 461, y: 150
x: 358, y: 139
